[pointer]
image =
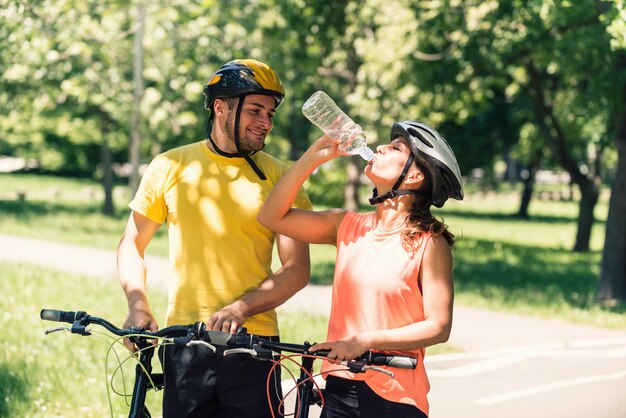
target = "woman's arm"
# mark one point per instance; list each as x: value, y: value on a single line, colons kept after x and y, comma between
x: 318, y: 227
x: 438, y: 296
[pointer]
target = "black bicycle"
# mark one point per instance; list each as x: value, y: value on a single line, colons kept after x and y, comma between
x: 240, y: 343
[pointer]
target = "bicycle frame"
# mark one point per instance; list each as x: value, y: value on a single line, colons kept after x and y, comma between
x: 305, y: 386
x: 143, y: 370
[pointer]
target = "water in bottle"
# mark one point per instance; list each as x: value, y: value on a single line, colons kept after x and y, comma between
x: 326, y: 115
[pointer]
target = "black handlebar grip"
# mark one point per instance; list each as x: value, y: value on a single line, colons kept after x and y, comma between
x: 60, y: 316
x: 51, y: 315
x: 400, y: 362
x: 403, y: 362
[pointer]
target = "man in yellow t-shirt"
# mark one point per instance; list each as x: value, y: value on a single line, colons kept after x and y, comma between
x: 209, y: 194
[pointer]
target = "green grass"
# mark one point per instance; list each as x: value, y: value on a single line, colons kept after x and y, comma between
x: 552, y: 224
x: 59, y: 374
x: 40, y: 187
x: 67, y: 210
x: 527, y: 266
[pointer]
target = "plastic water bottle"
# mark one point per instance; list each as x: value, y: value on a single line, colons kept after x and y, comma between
x: 324, y: 113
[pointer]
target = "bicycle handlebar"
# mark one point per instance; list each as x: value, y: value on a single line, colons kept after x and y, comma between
x: 368, y: 358
x: 61, y: 316
x: 80, y: 320
x: 240, y: 342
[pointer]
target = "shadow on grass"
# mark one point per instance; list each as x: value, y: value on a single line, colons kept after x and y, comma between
x: 506, y: 217
x: 26, y: 210
x: 13, y: 390
x: 514, y: 273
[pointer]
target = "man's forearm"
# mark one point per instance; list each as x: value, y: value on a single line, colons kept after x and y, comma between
x: 132, y: 272
x: 275, y: 290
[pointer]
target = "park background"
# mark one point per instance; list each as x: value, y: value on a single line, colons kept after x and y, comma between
x: 530, y: 94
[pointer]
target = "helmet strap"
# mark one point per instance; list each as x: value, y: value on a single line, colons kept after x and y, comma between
x: 237, y: 117
x: 223, y: 153
x: 394, y: 192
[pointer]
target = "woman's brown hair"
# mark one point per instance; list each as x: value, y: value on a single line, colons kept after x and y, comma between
x: 420, y: 219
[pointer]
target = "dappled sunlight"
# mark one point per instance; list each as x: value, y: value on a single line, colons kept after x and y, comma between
x: 213, y: 203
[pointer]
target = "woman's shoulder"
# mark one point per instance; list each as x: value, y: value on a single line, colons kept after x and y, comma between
x: 353, y: 222
x: 358, y: 217
x: 436, y: 246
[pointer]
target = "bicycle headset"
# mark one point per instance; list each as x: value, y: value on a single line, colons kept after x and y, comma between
x: 239, y: 78
x: 432, y: 153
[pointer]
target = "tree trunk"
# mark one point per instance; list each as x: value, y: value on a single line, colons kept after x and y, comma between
x: 298, y: 133
x: 590, y: 192
x: 134, y: 150
x: 529, y: 185
x: 552, y: 130
x: 106, y: 160
x: 106, y: 157
x: 511, y: 173
x: 612, y: 284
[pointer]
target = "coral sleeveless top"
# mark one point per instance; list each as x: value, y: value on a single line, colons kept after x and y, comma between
x: 376, y: 287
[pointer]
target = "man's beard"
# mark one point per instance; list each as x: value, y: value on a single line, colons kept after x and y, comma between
x: 246, y: 145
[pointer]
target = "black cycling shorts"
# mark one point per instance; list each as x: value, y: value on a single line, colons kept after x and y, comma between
x: 345, y: 398
x: 199, y: 383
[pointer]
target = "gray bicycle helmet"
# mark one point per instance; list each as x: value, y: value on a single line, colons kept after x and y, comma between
x: 431, y: 151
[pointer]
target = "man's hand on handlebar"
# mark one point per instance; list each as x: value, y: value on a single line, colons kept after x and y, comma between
x: 140, y: 316
x: 228, y: 319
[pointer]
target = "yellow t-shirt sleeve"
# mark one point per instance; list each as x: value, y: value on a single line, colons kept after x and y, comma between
x: 149, y: 200
x: 302, y: 200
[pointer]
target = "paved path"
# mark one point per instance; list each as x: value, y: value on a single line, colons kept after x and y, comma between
x: 512, y: 366
x: 474, y: 329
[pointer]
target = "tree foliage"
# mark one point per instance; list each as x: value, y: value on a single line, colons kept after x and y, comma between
x: 540, y: 80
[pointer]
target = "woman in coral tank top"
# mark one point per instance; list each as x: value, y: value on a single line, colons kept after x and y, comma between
x: 393, y: 287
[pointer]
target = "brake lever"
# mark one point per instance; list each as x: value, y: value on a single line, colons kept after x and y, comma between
x: 379, y: 369
x: 357, y: 366
x: 76, y: 328
x: 240, y: 350
x: 204, y: 343
x: 258, y: 352
x: 50, y: 331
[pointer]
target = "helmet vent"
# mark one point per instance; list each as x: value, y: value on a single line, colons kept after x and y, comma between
x: 417, y: 134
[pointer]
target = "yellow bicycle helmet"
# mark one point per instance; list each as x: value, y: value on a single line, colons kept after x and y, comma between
x: 241, y: 77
